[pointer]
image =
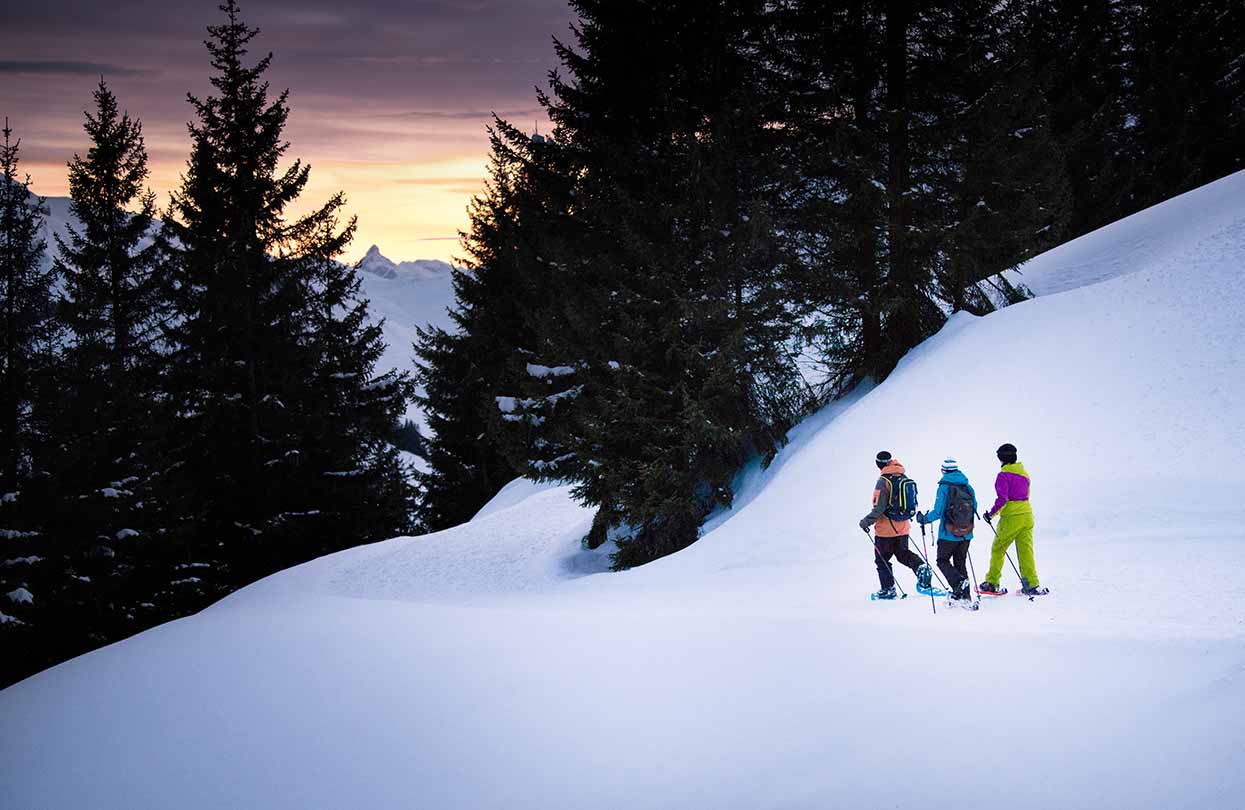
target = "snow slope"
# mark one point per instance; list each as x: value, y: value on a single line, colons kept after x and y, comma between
x: 1153, y: 238
x: 490, y: 666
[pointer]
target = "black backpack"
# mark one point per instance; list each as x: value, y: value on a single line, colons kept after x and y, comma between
x: 958, y: 514
x: 901, y: 497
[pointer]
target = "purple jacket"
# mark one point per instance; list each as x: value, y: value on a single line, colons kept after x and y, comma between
x: 1012, y: 487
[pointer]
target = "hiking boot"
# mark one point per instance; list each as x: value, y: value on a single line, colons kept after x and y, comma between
x: 1034, y: 590
x: 991, y: 588
x: 885, y: 593
x: 963, y: 590
x: 923, y: 576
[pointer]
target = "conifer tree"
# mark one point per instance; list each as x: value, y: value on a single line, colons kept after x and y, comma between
x: 1185, y: 64
x: 997, y: 170
x: 28, y: 325
x: 462, y: 371
x: 112, y: 308
x: 28, y: 332
x: 925, y: 166
x: 864, y: 209
x: 659, y: 364
x: 352, y: 473
x: 276, y: 415
x: 1079, y: 47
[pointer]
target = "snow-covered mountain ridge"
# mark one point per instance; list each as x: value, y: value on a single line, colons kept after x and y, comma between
x: 377, y: 264
x: 490, y: 665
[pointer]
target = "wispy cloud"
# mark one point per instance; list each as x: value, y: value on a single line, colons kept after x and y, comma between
x: 391, y: 99
x: 439, y: 181
x: 59, y: 67
x: 465, y: 115
x: 438, y: 61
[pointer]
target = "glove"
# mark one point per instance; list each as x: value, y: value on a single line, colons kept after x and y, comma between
x: 920, y: 519
x: 985, y: 516
x: 865, y: 523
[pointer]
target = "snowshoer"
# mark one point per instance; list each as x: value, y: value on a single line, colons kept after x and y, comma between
x: 1015, y: 525
x: 890, y: 520
x: 955, y: 506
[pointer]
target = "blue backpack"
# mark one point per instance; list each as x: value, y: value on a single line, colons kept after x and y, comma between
x: 901, y: 497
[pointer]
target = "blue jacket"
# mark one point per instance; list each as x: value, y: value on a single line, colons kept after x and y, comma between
x: 940, y: 505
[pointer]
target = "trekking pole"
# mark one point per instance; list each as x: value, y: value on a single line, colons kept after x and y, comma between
x: 888, y: 563
x: 1024, y: 583
x: 977, y: 601
x: 925, y: 556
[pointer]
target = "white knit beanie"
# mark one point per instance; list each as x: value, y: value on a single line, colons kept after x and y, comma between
x: 950, y: 465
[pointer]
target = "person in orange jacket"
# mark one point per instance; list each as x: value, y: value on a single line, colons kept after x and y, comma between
x: 890, y: 534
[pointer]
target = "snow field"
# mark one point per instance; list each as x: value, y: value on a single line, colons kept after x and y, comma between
x: 490, y: 665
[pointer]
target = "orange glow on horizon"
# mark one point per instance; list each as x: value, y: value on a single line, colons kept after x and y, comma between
x: 411, y: 209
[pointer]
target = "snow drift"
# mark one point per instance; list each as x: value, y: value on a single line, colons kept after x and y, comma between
x: 492, y: 666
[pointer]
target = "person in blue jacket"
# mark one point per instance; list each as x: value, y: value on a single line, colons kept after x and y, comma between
x: 955, y: 507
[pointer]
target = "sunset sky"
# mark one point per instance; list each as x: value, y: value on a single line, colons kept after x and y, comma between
x: 389, y: 99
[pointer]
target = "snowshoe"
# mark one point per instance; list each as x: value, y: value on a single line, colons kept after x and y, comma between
x: 990, y: 589
x: 930, y: 591
x: 1037, y: 590
x: 885, y: 593
x: 965, y: 603
x: 923, y: 576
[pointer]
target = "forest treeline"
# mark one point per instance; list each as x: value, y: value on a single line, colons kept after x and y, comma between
x: 188, y: 407
x: 742, y: 210
x: 736, y: 193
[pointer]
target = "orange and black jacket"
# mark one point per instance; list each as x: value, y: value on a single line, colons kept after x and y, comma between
x: 882, y: 525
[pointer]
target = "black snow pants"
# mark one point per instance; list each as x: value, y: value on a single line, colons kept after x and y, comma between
x: 896, y: 547
x: 952, y: 555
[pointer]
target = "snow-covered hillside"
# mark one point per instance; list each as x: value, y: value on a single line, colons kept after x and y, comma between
x: 490, y: 665
x: 406, y: 295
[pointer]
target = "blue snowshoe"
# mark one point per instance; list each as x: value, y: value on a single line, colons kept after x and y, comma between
x: 924, y: 585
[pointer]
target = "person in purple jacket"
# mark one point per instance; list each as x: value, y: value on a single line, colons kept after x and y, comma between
x: 1015, y: 526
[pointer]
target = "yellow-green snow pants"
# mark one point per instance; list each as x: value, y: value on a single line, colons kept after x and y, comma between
x: 1018, y: 529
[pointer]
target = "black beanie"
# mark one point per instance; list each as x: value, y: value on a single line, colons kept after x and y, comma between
x: 1007, y: 453
x: 883, y: 458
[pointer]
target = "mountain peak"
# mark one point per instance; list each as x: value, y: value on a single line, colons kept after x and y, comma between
x: 378, y: 264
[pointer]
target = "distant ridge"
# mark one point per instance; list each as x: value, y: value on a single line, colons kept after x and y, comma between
x: 378, y: 264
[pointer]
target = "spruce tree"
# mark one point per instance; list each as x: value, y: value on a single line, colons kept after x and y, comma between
x: 924, y: 166
x: 461, y: 372
x: 277, y: 421
x: 28, y: 327
x: 1080, y: 49
x: 28, y: 333
x: 996, y: 168
x: 112, y: 308
x: 864, y: 210
x: 352, y: 473
x: 1185, y: 96
x: 660, y: 363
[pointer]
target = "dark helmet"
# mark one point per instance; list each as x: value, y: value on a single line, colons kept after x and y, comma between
x: 883, y: 458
